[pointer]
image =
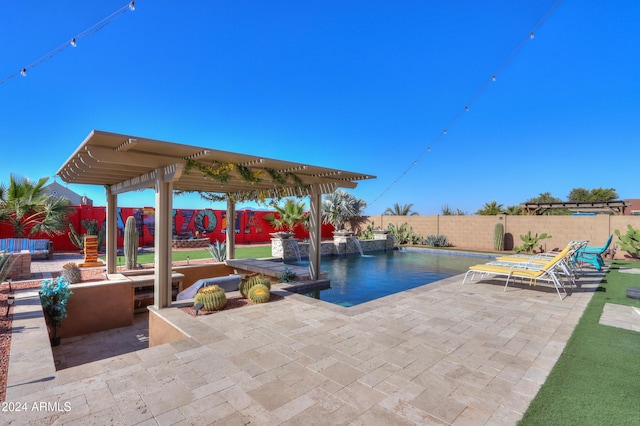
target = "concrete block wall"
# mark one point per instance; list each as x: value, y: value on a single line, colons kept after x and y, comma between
x: 476, y: 232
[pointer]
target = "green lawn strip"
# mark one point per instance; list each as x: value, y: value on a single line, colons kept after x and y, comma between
x: 181, y: 255
x: 596, y: 381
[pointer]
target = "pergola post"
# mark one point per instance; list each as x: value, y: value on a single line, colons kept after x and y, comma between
x: 231, y: 229
x: 162, y: 243
x: 315, y: 251
x: 111, y: 232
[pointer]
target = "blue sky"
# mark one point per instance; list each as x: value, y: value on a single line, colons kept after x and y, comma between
x: 362, y: 86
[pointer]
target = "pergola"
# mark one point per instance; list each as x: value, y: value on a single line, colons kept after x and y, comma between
x: 123, y: 163
x: 609, y: 207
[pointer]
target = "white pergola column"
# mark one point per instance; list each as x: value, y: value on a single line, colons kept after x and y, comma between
x: 231, y: 229
x: 112, y: 232
x: 315, y: 238
x: 162, y: 242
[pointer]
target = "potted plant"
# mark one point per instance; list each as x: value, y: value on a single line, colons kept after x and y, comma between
x: 289, y: 217
x: 54, y: 296
x: 341, y: 207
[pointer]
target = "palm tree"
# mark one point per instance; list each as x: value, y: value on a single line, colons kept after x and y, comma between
x: 400, y: 210
x: 515, y: 210
x: 29, y: 210
x: 448, y: 211
x: 341, y: 207
x: 491, y: 208
x: 290, y: 215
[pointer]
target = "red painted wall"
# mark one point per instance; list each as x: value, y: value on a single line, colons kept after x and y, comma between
x: 250, y: 226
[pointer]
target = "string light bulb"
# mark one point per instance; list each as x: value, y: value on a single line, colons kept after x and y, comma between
x: 531, y: 35
x: 91, y: 30
x: 444, y: 132
x: 493, y: 77
x: 466, y: 108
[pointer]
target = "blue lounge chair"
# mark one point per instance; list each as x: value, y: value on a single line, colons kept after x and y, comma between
x: 593, y: 254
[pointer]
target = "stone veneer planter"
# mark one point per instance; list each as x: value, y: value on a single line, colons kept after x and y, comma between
x: 191, y: 243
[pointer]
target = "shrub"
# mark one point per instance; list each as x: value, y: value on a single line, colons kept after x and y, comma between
x: 54, y: 296
x: 367, y: 233
x: 287, y: 276
x: 630, y: 242
x: 437, y: 241
x: 530, y: 243
x: 404, y: 235
x: 71, y: 273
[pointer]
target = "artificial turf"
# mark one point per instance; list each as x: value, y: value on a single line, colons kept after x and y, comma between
x: 244, y: 252
x: 596, y: 381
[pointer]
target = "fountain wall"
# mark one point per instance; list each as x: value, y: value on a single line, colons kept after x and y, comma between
x: 341, y: 245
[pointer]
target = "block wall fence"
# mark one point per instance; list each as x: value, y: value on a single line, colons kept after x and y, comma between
x: 476, y: 232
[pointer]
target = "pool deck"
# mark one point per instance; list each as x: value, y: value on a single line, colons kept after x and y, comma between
x: 444, y: 353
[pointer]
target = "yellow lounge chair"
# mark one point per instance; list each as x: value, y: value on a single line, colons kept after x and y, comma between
x: 569, y: 266
x: 546, y: 272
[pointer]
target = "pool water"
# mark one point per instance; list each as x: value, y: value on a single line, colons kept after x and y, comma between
x: 357, y: 279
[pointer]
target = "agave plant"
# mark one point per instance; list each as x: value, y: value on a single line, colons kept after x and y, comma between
x: 6, y: 263
x: 218, y: 251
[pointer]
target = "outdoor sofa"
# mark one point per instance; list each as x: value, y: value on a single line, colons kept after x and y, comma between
x: 34, y: 246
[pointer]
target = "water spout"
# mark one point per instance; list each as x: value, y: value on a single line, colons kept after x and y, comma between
x: 356, y: 241
x: 296, y: 249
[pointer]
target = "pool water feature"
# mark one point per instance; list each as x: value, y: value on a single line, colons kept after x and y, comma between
x: 358, y: 279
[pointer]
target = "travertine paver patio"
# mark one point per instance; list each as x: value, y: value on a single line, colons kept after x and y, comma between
x: 438, y: 354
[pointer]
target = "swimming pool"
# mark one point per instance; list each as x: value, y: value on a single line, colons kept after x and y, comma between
x: 357, y: 279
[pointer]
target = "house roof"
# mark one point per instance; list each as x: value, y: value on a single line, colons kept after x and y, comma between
x: 125, y: 163
x: 57, y: 190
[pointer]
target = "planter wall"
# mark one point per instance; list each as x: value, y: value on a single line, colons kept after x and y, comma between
x: 98, y: 307
x: 191, y: 243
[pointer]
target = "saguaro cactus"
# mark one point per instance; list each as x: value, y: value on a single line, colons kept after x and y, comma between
x: 130, y: 243
x: 498, y: 237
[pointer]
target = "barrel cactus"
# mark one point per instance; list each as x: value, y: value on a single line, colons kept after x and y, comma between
x: 498, y: 237
x: 130, y: 243
x: 259, y: 293
x: 252, y: 280
x: 71, y: 273
x: 212, y: 298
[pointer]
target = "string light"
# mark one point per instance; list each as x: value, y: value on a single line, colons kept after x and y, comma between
x: 73, y: 42
x: 509, y: 59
